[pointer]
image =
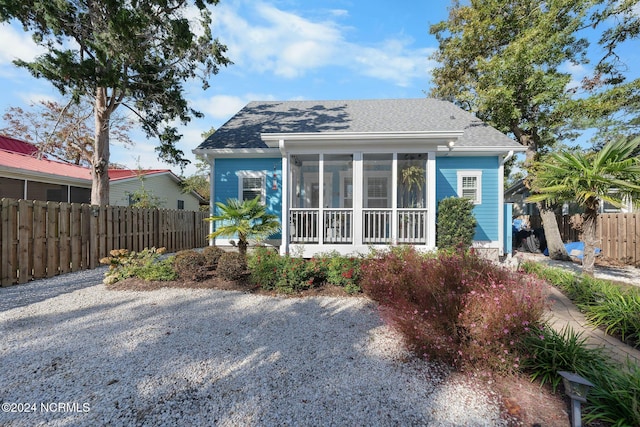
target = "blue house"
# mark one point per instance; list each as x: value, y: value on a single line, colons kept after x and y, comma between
x: 347, y: 175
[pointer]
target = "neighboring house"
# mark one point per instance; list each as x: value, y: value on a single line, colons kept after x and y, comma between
x: 23, y: 176
x: 348, y: 175
x: 162, y: 183
x: 518, y: 193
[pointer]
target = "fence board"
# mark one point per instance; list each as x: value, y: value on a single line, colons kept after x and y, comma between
x: 39, y: 239
x: 43, y: 239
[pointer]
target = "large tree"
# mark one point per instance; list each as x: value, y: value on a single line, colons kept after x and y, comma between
x: 501, y: 59
x: 132, y: 53
x: 64, y: 132
x: 610, y: 175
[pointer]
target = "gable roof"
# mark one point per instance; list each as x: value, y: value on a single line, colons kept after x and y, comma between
x: 243, y: 130
x: 120, y: 174
x: 17, y: 146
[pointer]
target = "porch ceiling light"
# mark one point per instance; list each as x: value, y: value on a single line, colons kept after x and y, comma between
x: 577, y: 388
x: 451, y: 144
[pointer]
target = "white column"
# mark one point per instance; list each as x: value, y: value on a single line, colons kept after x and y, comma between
x: 358, y: 186
x: 394, y: 199
x: 284, y: 245
x: 322, y: 231
x: 431, y: 199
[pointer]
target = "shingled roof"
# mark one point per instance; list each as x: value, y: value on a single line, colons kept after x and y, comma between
x: 243, y: 130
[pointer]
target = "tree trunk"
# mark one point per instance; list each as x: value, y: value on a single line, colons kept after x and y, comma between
x: 589, y: 217
x: 100, y: 159
x: 242, y: 247
x: 552, y: 233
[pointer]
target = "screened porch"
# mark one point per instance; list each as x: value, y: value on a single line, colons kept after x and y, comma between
x: 358, y: 199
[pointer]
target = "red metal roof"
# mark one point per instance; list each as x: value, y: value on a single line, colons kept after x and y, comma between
x: 24, y: 162
x: 11, y: 144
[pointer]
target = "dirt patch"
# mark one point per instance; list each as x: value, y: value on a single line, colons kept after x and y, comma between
x: 215, y: 282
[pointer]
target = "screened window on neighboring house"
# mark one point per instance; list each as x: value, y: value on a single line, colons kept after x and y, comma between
x: 180, y: 204
x: 470, y: 185
x: 251, y: 185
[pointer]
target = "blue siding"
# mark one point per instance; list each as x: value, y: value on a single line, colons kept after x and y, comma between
x: 226, y: 180
x: 486, y: 213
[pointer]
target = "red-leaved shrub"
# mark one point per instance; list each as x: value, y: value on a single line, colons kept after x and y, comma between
x: 455, y: 307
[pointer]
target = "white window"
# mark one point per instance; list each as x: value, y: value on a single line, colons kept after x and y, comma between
x: 251, y: 184
x: 470, y: 186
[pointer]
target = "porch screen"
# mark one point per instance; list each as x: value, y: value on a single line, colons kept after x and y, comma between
x: 412, y: 177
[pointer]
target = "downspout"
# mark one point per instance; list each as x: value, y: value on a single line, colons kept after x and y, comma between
x: 501, y: 218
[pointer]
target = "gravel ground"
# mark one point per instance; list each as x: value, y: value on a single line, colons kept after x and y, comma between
x: 73, y: 353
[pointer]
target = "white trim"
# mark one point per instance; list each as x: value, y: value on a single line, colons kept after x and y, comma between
x: 212, y: 205
x: 431, y: 199
x: 232, y: 153
x: 268, y: 137
x: 471, y: 174
x: 242, y: 174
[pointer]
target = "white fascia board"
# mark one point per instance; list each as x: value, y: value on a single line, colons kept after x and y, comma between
x: 463, y: 151
x: 232, y: 153
x: 273, y: 139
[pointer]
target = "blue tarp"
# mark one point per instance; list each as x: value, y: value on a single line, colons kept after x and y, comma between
x: 574, y: 249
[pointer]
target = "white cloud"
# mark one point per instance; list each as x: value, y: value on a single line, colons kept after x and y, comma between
x: 16, y: 44
x: 269, y: 40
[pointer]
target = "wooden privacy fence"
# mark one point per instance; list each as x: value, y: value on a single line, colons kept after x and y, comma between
x: 618, y: 234
x: 43, y: 239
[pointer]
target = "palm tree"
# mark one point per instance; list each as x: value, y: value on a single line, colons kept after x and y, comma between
x: 611, y: 175
x: 247, y: 219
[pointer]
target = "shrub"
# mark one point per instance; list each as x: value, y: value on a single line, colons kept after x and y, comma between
x: 124, y: 264
x: 616, y: 395
x: 231, y: 266
x: 211, y: 255
x: 266, y: 267
x: 456, y: 224
x: 161, y: 270
x: 344, y: 271
x: 548, y: 351
x: 190, y: 265
x: 455, y: 307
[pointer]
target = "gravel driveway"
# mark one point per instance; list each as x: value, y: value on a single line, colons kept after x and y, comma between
x: 73, y: 353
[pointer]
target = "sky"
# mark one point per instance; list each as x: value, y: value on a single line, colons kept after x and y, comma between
x: 281, y: 50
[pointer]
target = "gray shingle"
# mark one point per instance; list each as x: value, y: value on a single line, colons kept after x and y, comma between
x: 383, y: 115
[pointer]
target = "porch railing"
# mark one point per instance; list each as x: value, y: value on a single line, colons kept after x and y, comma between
x: 377, y: 226
x: 412, y: 226
x: 336, y: 226
x: 303, y: 225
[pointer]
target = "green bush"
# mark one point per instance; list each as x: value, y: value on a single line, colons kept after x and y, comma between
x: 345, y: 272
x: 124, y: 264
x: 456, y: 224
x: 161, y: 270
x: 212, y: 255
x: 548, y: 351
x: 190, y: 265
x: 266, y: 266
x: 615, y: 399
x: 293, y: 274
x: 231, y: 266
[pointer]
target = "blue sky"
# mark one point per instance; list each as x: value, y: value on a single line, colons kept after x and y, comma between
x: 282, y: 50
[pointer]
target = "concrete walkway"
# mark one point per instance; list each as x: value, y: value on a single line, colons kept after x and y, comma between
x: 563, y: 312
